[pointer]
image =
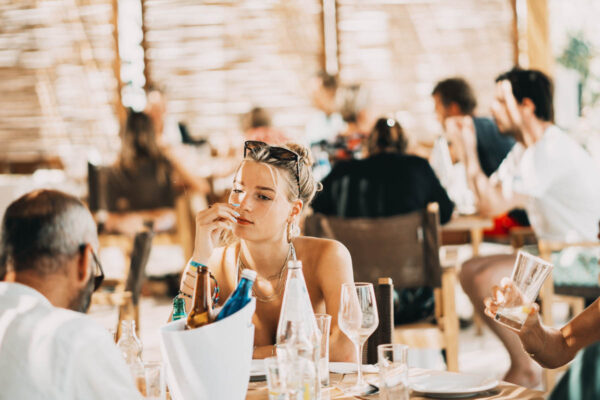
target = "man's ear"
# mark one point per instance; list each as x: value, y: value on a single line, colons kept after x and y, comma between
x: 528, y: 106
x: 84, y: 265
x: 453, y: 109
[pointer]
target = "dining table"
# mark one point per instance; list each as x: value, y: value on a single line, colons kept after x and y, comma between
x: 336, y: 391
x: 474, y: 224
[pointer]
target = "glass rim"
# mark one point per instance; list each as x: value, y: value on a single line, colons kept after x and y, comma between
x: 323, y: 315
x: 357, y: 284
x: 392, y: 346
x: 537, y: 259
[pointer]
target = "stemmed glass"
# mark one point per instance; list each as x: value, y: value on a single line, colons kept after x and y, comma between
x: 358, y: 319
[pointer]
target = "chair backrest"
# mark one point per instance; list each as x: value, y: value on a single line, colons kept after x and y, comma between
x: 403, y: 247
x: 142, y: 245
x: 113, y: 189
x: 384, y: 290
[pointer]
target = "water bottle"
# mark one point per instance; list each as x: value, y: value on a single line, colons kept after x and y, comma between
x: 131, y: 349
x: 298, y: 335
x: 241, y: 295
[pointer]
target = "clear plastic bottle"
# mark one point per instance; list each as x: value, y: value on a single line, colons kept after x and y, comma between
x: 131, y: 348
x: 298, y: 335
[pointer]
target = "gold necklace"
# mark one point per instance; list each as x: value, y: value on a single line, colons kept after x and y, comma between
x: 279, y: 275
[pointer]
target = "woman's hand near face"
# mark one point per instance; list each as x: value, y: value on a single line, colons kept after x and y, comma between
x: 209, y: 225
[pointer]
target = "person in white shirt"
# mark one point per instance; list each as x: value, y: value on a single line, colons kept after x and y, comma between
x: 48, y: 348
x: 327, y: 122
x: 546, y: 172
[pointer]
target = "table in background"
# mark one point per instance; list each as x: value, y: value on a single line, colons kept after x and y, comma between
x: 473, y: 224
x: 258, y: 390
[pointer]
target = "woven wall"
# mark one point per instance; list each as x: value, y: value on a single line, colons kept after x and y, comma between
x: 57, y: 82
x: 401, y: 48
x: 218, y: 59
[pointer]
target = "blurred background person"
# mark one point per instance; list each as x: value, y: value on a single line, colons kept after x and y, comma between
x: 327, y: 122
x: 546, y: 172
x: 171, y: 131
x: 256, y: 125
x: 388, y: 182
x: 146, y: 177
x: 348, y: 144
x: 454, y: 97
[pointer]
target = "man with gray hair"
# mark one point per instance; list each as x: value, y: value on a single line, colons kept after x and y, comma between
x: 48, y: 348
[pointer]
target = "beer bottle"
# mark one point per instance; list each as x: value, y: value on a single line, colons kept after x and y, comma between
x: 201, y: 312
x: 179, y: 308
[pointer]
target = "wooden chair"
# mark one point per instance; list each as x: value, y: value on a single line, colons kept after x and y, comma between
x: 127, y: 296
x: 405, y: 248
x: 574, y: 295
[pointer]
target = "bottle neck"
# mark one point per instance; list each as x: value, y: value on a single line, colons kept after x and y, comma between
x: 178, y: 306
x: 245, y: 287
x: 202, y: 296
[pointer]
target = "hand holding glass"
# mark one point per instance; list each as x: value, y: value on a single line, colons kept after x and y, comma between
x: 528, y: 275
x: 358, y: 319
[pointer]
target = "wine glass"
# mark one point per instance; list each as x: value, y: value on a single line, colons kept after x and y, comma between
x: 358, y: 319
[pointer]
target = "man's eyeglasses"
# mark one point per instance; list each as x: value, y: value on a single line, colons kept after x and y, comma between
x: 280, y: 153
x: 98, y: 270
x: 98, y: 273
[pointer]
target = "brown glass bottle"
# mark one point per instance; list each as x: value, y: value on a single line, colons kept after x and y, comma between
x: 201, y: 313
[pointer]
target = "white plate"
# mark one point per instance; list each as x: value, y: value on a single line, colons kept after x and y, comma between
x: 349, y: 368
x: 451, y: 385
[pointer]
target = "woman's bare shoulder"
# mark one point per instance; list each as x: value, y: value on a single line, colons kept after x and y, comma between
x: 323, y: 249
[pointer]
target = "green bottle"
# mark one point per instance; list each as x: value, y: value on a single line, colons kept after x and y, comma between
x: 179, y: 308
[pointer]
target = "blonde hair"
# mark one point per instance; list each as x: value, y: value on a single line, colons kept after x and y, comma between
x: 306, y: 186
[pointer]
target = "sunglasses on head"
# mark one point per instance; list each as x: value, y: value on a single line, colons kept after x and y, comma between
x: 279, y: 153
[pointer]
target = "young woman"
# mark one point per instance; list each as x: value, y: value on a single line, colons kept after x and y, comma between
x: 270, y: 189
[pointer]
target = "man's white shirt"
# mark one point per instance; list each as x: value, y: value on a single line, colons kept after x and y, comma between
x: 53, y: 353
x: 561, y: 183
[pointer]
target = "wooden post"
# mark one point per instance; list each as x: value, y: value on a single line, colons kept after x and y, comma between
x: 323, y: 53
x: 331, y: 59
x: 144, y: 45
x: 515, y: 32
x: 119, y: 109
x: 538, y: 37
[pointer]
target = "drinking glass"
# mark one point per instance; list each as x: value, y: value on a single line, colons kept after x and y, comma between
x: 393, y: 371
x: 324, y: 324
x: 358, y: 319
x: 528, y: 275
x: 155, y: 383
x: 282, y: 382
